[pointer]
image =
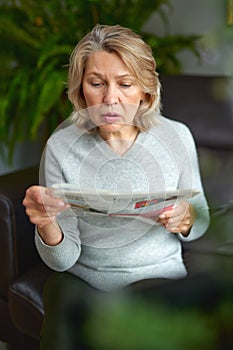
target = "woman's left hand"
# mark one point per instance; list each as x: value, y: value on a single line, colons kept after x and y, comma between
x: 180, y: 219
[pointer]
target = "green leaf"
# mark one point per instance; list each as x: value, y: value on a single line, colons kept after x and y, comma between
x: 48, y: 97
x: 59, y: 50
x: 17, y: 33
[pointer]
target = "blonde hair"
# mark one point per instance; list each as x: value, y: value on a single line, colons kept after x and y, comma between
x: 136, y: 55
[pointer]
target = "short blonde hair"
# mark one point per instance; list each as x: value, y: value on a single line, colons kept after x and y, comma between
x: 136, y: 55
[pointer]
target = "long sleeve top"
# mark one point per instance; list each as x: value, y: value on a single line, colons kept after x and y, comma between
x: 109, y: 252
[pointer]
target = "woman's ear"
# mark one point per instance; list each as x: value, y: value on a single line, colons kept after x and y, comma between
x: 143, y: 98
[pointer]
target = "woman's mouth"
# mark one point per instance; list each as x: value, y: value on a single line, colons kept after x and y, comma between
x: 110, y: 118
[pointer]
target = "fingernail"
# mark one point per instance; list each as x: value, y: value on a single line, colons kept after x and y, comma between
x: 162, y: 216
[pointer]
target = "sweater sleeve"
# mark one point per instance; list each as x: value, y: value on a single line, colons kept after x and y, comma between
x: 64, y: 255
x: 190, y: 178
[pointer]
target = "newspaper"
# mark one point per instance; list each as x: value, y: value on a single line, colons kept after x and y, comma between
x: 126, y: 205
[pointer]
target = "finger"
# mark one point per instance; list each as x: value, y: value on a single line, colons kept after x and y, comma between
x: 162, y: 221
x: 181, y: 226
x: 172, y: 210
x: 177, y: 220
x: 42, y: 221
x: 50, y: 201
x: 166, y: 214
x: 178, y: 214
x: 181, y: 229
x: 38, y: 197
x: 41, y: 212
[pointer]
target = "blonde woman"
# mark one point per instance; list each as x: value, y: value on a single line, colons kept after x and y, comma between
x: 118, y: 141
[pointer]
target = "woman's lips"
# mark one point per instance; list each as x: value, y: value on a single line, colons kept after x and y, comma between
x: 110, y: 118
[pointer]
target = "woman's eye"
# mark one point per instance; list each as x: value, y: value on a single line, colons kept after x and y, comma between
x: 126, y: 85
x: 96, y: 84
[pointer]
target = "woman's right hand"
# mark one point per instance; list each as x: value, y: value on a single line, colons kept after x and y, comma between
x: 42, y: 209
x: 41, y: 206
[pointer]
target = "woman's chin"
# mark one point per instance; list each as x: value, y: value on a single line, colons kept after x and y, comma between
x: 109, y: 127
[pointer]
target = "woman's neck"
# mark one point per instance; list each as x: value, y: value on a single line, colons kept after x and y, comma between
x: 120, y: 141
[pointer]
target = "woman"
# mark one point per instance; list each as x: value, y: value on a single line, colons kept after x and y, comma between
x: 118, y: 141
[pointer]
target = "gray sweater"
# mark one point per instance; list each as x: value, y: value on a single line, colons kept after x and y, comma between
x: 111, y: 253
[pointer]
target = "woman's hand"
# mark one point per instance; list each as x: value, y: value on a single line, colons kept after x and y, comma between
x: 42, y: 209
x: 180, y: 219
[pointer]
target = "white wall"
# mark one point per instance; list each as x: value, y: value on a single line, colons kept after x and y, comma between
x: 207, y: 18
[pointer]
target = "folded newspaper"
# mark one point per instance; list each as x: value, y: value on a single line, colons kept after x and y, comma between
x: 127, y: 205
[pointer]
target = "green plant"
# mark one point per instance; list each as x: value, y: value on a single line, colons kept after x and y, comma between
x: 38, y: 37
x: 137, y: 323
x: 134, y: 322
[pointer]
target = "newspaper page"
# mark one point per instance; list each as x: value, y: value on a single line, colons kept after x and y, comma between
x: 145, y: 206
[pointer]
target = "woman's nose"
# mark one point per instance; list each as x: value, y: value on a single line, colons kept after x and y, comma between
x: 110, y: 95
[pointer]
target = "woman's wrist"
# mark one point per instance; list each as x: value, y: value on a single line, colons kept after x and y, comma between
x: 51, y: 234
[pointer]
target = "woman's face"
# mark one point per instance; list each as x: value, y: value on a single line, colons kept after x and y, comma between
x: 111, y: 92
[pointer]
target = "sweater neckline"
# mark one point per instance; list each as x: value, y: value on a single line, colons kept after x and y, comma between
x: 107, y: 148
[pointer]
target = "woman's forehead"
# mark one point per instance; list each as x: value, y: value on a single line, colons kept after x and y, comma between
x: 101, y: 62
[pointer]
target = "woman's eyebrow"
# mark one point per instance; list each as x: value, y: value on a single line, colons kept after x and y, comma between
x: 99, y: 75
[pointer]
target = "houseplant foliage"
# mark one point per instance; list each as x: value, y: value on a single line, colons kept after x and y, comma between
x: 139, y: 322
x: 38, y: 37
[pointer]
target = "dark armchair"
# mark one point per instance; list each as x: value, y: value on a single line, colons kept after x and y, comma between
x: 22, y: 274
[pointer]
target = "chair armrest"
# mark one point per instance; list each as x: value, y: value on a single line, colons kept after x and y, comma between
x: 17, y: 248
x: 8, y: 259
